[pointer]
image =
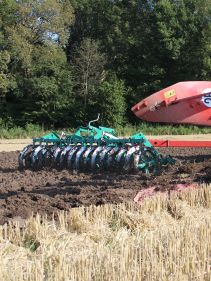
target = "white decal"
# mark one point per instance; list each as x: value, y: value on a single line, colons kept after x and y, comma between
x: 206, y: 98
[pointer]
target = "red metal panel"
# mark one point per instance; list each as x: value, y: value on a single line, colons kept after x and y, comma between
x: 179, y: 143
x: 182, y: 103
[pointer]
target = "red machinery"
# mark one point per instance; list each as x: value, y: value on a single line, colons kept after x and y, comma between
x: 184, y: 102
x: 181, y: 103
x: 180, y: 143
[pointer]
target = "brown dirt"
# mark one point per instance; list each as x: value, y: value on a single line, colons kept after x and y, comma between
x: 25, y: 192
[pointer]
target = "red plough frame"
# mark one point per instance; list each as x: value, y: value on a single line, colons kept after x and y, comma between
x: 179, y: 143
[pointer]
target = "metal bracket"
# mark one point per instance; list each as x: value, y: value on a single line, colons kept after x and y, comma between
x: 92, y: 121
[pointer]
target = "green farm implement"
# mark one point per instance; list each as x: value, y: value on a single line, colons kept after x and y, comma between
x: 93, y: 149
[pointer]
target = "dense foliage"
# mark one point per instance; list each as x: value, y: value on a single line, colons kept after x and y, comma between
x: 62, y: 62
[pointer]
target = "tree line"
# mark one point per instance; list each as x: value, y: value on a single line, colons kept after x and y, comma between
x: 64, y: 61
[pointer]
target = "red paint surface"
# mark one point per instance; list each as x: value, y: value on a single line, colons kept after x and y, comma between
x: 154, y: 190
x: 182, y: 103
x: 179, y: 143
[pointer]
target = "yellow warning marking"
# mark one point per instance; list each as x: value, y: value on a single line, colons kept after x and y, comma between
x: 170, y: 94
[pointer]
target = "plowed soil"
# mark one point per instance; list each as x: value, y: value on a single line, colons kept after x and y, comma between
x: 25, y: 192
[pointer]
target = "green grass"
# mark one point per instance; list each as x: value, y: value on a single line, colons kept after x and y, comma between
x: 159, y: 129
x: 31, y: 130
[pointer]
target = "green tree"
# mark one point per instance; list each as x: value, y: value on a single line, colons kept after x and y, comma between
x: 56, y: 56
x: 111, y: 101
x: 4, y: 79
x: 89, y: 64
x: 34, y: 34
x: 48, y: 94
x: 182, y: 32
x: 96, y: 89
x: 149, y: 44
